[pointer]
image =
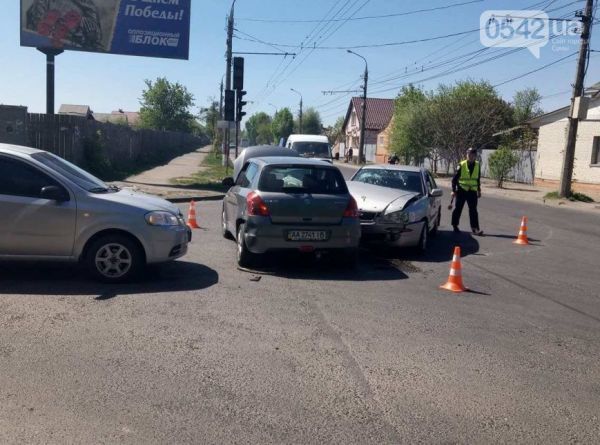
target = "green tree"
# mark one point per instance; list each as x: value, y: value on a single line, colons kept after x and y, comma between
x: 283, y: 124
x: 410, y: 137
x: 258, y: 129
x: 209, y: 116
x: 335, y: 133
x: 464, y: 115
x: 526, y: 105
x: 311, y: 122
x: 501, y: 162
x: 166, y: 106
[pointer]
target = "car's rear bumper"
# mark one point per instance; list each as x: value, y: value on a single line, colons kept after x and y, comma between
x: 261, y: 236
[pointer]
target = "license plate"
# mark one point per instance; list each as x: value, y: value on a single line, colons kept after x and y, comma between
x: 307, y: 235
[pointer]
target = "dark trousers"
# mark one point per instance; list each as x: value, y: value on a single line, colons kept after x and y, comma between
x: 470, y: 198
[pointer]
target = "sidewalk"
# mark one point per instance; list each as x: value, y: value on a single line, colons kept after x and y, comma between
x: 158, y: 181
x: 531, y: 193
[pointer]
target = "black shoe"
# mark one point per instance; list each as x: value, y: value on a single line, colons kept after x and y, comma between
x: 477, y: 232
x: 456, y: 229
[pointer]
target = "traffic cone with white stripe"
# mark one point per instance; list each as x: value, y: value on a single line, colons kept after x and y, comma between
x: 191, y: 222
x: 522, y: 238
x: 455, y: 283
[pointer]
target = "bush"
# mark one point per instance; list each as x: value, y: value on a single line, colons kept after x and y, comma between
x: 501, y: 163
x: 95, y: 157
x: 575, y: 196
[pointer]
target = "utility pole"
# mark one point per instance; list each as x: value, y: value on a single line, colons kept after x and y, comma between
x: 363, y: 121
x: 578, y: 92
x: 300, y: 115
x: 50, y: 53
x: 221, y: 100
x: 226, y: 131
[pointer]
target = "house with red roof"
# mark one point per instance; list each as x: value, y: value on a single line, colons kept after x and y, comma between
x: 377, y: 128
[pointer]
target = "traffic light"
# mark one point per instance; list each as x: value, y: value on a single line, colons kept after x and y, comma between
x: 238, y: 73
x: 240, y: 105
x: 229, y: 113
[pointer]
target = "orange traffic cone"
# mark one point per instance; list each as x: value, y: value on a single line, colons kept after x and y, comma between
x: 191, y: 222
x: 522, y: 238
x: 455, y: 283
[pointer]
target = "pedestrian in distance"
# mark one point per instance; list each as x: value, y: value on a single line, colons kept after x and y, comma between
x: 466, y: 187
x: 393, y: 159
x: 350, y: 154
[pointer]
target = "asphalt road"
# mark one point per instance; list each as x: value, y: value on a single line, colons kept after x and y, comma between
x: 307, y: 352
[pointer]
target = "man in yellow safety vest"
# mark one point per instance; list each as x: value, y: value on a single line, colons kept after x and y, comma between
x: 466, y: 187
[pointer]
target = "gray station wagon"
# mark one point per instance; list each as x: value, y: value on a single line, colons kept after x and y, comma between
x: 288, y: 203
x: 52, y: 210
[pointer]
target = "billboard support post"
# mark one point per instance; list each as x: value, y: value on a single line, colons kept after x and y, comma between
x: 51, y: 53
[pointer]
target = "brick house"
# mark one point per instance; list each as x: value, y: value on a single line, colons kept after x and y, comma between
x: 552, y: 140
x: 377, y: 128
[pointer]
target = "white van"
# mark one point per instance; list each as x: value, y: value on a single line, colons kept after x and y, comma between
x: 311, y: 146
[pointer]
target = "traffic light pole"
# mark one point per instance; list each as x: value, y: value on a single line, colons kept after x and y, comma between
x: 226, y: 132
x: 578, y: 91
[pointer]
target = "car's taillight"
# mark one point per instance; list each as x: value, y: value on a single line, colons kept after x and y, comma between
x: 352, y: 209
x: 255, y: 205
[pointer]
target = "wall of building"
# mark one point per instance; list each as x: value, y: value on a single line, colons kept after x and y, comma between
x: 551, y: 145
x: 383, y: 144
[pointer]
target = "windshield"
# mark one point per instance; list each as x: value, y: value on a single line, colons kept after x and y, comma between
x: 80, y: 177
x: 396, y: 179
x: 312, y: 149
x: 302, y: 179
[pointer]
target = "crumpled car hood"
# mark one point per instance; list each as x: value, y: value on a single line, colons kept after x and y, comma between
x: 374, y: 198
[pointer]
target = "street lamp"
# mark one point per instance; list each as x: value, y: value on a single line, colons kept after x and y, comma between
x: 300, y: 117
x: 361, y: 149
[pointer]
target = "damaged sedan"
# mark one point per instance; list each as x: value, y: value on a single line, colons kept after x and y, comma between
x: 398, y: 205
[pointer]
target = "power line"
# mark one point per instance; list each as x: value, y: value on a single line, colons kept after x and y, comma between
x: 535, y: 70
x: 384, y: 16
x: 374, y: 45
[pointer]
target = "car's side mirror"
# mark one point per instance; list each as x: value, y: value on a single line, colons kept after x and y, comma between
x: 228, y: 182
x: 54, y: 193
x: 436, y: 193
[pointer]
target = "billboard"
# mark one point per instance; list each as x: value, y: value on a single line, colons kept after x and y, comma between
x: 151, y: 28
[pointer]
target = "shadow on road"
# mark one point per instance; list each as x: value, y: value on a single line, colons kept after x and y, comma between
x: 440, y: 249
x: 69, y: 279
x: 328, y: 268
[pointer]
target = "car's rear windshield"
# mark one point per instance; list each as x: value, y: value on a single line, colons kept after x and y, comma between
x: 312, y: 149
x: 302, y: 179
x: 396, y: 179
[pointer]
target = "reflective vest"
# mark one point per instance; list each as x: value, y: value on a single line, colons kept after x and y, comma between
x: 468, y: 181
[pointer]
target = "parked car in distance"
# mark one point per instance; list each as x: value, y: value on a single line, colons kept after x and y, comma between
x: 311, y: 146
x: 257, y: 151
x: 397, y: 204
x: 53, y: 210
x: 287, y: 203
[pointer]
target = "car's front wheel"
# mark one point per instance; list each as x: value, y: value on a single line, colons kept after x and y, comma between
x: 226, y: 234
x: 424, y: 238
x: 438, y: 221
x: 245, y: 258
x: 114, y: 258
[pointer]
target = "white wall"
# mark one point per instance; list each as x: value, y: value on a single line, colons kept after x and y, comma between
x: 551, y: 145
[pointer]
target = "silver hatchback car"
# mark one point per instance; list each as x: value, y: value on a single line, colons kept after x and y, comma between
x: 288, y: 203
x: 52, y: 210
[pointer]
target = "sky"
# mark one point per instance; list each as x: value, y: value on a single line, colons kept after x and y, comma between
x: 111, y: 82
